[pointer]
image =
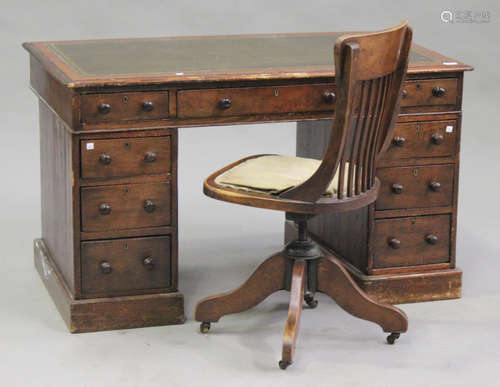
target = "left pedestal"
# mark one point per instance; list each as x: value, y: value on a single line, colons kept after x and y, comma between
x: 108, y: 250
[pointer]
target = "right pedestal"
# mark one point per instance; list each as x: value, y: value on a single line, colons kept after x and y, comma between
x: 401, y: 248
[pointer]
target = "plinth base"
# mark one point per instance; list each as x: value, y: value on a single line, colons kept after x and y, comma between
x: 99, y: 314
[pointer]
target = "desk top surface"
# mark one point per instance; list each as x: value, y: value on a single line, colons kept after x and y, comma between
x: 114, y: 62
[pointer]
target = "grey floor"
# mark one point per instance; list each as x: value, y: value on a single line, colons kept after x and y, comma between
x: 449, y: 343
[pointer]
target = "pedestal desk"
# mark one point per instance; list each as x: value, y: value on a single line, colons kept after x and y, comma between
x: 109, y: 115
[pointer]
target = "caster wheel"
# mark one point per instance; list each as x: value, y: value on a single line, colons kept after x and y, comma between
x: 310, y: 300
x: 391, y: 339
x: 204, y: 327
x: 283, y: 364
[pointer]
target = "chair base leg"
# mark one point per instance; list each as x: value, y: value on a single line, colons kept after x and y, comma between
x: 294, y: 313
x: 267, y: 279
x: 301, y: 270
x: 336, y: 282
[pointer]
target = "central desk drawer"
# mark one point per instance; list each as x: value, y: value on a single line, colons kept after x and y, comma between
x: 134, y: 106
x: 122, y: 266
x: 120, y: 157
x: 255, y: 100
x: 412, y: 241
x: 415, y: 187
x: 423, y: 139
x: 128, y: 206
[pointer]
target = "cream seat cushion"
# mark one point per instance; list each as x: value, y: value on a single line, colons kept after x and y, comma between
x: 272, y: 174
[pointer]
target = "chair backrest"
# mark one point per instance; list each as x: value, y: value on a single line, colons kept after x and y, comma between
x: 369, y: 73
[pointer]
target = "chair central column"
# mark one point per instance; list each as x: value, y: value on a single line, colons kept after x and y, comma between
x: 303, y: 247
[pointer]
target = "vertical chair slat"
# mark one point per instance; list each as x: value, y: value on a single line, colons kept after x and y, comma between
x: 363, y: 113
x: 375, y: 145
x: 373, y: 135
x: 368, y: 128
x: 364, y: 131
x: 341, y: 172
x: 353, y: 185
x: 371, y: 131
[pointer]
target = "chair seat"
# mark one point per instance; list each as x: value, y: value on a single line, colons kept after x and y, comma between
x: 258, y: 180
x: 272, y: 174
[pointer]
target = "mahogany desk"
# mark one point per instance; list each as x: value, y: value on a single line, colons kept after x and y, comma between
x: 109, y: 113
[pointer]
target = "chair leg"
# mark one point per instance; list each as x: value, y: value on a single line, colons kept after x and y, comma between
x: 294, y: 312
x: 335, y: 281
x: 268, y: 278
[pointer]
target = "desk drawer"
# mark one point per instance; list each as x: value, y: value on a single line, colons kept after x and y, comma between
x: 121, y: 157
x: 415, y: 187
x: 423, y: 139
x: 254, y: 100
x: 430, y: 92
x: 127, y: 206
x: 135, y: 106
x: 125, y: 266
x: 412, y: 241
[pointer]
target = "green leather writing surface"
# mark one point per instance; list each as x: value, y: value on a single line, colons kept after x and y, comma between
x: 200, y: 54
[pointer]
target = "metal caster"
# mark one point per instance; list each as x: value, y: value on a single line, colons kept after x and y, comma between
x: 283, y: 364
x: 391, y: 339
x: 310, y: 300
x: 204, y: 327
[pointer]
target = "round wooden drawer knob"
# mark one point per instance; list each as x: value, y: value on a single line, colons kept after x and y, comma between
x: 149, y: 206
x: 394, y: 243
x: 399, y: 141
x: 329, y: 97
x: 150, y: 157
x: 397, y: 188
x: 437, y: 138
x: 435, y: 186
x: 225, y: 103
x: 404, y: 93
x: 105, y: 159
x: 438, y: 91
x: 104, y: 108
x: 106, y: 268
x: 104, y: 209
x: 431, y: 239
x: 148, y: 263
x: 148, y: 106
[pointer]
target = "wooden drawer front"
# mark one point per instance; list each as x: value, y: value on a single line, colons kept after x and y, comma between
x: 125, y: 265
x: 126, y: 206
x: 124, y: 106
x: 423, y: 139
x: 415, y: 187
x: 412, y: 241
x: 125, y: 157
x: 254, y: 100
x: 430, y: 92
